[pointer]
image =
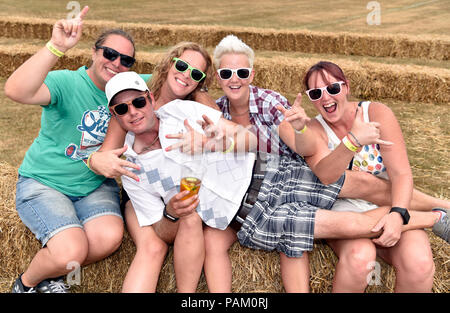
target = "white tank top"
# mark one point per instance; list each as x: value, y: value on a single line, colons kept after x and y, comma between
x: 369, y: 159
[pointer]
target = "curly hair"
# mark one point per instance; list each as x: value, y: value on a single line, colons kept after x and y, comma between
x: 162, y: 68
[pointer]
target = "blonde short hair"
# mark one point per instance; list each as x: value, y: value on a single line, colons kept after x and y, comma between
x: 232, y: 44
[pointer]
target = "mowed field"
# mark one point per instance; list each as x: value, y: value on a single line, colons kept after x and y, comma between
x: 416, y: 87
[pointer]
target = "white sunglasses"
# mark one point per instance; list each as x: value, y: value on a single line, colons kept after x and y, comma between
x: 227, y: 73
x: 332, y: 89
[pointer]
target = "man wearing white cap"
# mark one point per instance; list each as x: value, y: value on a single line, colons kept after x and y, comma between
x: 159, y: 216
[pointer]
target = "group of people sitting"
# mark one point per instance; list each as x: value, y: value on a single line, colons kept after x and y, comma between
x: 275, y: 179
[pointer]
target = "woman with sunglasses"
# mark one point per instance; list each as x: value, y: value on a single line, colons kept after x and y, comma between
x: 255, y: 108
x: 340, y: 128
x: 72, y: 211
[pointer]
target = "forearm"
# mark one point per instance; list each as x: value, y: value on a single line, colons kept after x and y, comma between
x: 23, y: 85
x: 332, y: 166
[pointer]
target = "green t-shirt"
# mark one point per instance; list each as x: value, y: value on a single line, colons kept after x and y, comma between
x: 73, y: 126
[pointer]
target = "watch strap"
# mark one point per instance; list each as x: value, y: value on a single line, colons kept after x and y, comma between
x: 403, y: 213
x: 171, y: 218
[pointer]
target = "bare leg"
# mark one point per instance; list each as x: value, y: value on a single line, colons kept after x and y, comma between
x: 352, y: 270
x: 104, y: 236
x: 413, y: 261
x: 351, y: 225
x: 362, y: 185
x: 189, y: 252
x: 70, y: 245
x: 217, y: 265
x: 295, y: 273
x: 143, y: 274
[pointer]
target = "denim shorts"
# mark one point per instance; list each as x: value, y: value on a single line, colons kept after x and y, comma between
x: 46, y: 211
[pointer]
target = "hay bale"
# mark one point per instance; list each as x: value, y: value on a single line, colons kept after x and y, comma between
x: 253, y: 271
x: 369, y: 80
x: 401, y: 46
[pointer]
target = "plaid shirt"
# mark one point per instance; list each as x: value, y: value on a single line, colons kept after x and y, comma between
x: 264, y: 117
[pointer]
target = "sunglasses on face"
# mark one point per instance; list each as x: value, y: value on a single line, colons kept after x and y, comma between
x: 182, y: 66
x: 332, y: 89
x: 138, y: 103
x: 111, y: 54
x: 227, y: 73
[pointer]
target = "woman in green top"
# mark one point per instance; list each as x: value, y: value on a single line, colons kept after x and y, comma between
x: 71, y: 210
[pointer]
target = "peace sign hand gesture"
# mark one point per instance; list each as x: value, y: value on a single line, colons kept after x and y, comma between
x: 67, y: 33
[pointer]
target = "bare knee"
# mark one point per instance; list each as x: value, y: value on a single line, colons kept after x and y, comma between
x: 106, y: 237
x: 358, y: 259
x: 152, y: 250
x: 217, y: 242
x: 416, y: 266
x: 70, y: 253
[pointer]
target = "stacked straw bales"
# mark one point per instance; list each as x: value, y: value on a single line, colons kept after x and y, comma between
x: 369, y: 80
x: 437, y: 48
x: 253, y: 271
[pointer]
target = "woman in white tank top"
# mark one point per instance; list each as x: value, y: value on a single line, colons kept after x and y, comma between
x: 347, y: 127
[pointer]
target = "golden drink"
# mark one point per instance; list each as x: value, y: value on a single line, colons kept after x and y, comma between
x: 190, y: 183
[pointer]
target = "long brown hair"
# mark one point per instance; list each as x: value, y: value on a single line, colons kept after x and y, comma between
x: 162, y: 68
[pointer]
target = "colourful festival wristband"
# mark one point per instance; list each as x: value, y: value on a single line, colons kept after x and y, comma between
x: 301, y: 131
x: 53, y: 50
x: 231, y: 147
x: 349, y: 145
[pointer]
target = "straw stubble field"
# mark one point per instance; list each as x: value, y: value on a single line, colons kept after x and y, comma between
x: 408, y: 72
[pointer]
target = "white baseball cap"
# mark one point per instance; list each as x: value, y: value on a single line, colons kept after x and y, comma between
x: 124, y: 81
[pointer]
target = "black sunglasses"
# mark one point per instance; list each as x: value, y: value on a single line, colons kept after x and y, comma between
x: 138, y: 103
x: 182, y: 66
x: 332, y: 89
x: 226, y: 73
x: 111, y: 54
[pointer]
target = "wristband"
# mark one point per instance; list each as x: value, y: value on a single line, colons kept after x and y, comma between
x: 231, y: 147
x: 89, y: 160
x: 53, y: 50
x: 349, y: 145
x: 301, y: 131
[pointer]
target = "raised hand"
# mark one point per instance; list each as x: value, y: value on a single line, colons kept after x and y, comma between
x: 67, y: 33
x: 296, y: 115
x: 367, y: 133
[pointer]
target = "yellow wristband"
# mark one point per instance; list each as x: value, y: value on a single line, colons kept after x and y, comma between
x: 349, y: 145
x: 301, y: 131
x: 231, y: 147
x: 89, y: 160
x: 53, y: 50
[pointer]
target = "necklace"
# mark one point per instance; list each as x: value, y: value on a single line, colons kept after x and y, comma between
x: 148, y: 147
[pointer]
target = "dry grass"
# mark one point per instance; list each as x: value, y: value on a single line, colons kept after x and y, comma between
x: 344, y: 43
x: 397, y: 16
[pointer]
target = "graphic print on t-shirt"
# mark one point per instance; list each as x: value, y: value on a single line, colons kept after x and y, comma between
x: 93, y: 130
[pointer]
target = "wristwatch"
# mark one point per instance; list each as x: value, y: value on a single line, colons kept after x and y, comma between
x: 403, y: 212
x: 170, y: 217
